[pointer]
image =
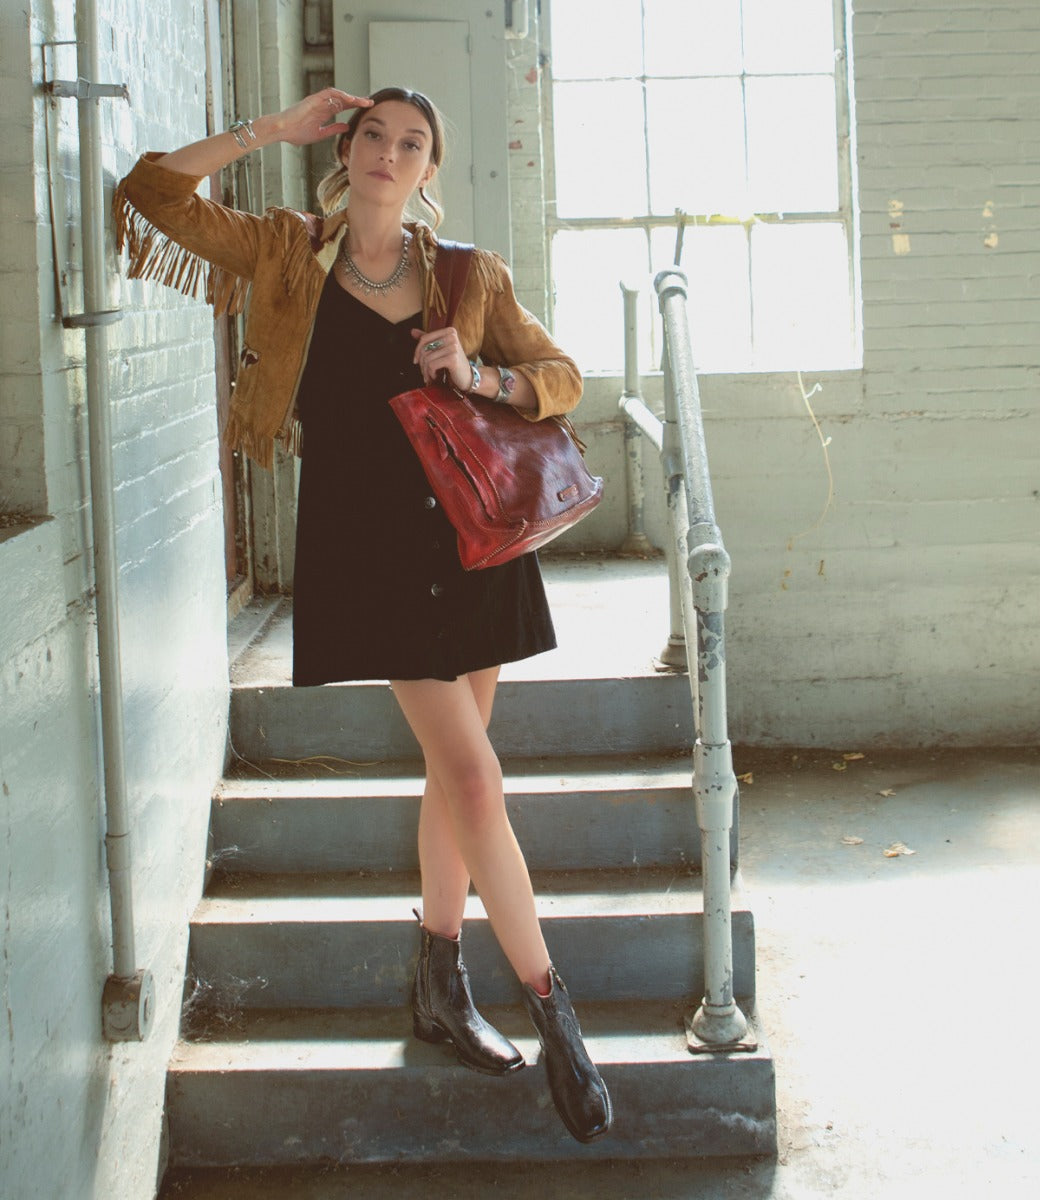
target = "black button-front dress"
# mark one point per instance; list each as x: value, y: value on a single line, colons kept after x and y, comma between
x: 378, y: 589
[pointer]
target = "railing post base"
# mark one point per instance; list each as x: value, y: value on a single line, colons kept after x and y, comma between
x: 708, y: 1032
x: 128, y: 1007
x: 673, y: 656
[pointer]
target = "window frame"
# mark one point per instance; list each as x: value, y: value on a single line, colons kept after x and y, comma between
x: 846, y: 214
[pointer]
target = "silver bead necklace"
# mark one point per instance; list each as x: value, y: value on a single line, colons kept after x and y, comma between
x: 373, y: 287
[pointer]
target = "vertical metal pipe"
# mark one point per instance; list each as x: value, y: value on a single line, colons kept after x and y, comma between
x: 675, y: 653
x: 101, y: 496
x: 127, y: 1002
x: 630, y: 303
x: 636, y: 541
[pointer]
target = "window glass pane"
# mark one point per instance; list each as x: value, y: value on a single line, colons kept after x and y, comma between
x: 715, y: 107
x: 692, y: 37
x: 715, y: 261
x: 795, y: 36
x: 800, y: 286
x: 792, y: 144
x: 587, y: 269
x: 593, y: 41
x: 696, y: 141
x: 600, y: 149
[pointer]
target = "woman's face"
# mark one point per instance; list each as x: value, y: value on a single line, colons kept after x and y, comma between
x: 389, y: 155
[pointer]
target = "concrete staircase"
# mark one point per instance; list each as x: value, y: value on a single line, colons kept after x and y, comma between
x: 296, y: 1046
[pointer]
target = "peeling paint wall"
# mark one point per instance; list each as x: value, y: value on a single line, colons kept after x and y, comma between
x: 269, y: 76
x: 907, y: 611
x: 527, y: 170
x: 80, y: 1118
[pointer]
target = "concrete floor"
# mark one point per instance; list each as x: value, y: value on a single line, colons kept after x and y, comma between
x: 889, y: 989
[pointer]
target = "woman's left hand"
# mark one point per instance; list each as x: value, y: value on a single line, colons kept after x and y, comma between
x: 440, y: 350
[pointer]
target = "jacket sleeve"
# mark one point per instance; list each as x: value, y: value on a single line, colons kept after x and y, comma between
x: 193, y: 244
x: 515, y: 338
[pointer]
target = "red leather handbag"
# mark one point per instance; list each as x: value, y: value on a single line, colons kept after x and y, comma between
x: 508, y: 485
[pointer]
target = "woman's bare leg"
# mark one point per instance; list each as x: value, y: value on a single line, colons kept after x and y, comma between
x: 448, y: 720
x: 445, y: 880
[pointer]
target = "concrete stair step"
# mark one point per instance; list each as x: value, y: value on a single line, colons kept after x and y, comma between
x: 297, y: 1062
x: 355, y: 1086
x: 289, y: 941
x: 360, y: 722
x: 578, y: 1178
x: 567, y: 813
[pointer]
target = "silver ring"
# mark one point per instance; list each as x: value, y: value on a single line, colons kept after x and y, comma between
x: 434, y: 345
x: 332, y: 101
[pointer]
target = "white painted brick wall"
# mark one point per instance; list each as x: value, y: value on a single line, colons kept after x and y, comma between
x: 948, y: 107
x: 22, y: 483
x: 61, y: 1074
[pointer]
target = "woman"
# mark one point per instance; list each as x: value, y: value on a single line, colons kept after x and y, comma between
x: 338, y: 309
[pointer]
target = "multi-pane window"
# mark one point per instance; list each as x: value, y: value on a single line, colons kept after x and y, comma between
x: 729, y: 119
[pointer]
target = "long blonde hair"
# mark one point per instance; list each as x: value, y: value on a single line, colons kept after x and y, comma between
x: 333, y: 188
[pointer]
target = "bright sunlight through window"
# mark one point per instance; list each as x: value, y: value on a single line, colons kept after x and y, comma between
x: 720, y: 127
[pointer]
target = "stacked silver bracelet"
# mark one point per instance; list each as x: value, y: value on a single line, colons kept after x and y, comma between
x: 239, y: 131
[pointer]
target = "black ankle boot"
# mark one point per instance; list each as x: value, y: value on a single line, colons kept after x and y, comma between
x: 578, y: 1091
x: 443, y: 1009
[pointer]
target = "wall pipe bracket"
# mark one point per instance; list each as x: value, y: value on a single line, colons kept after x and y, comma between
x: 83, y: 89
x: 80, y: 90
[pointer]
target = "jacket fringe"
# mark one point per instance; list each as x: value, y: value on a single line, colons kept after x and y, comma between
x: 297, y: 251
x: 426, y: 247
x: 565, y: 423
x: 433, y: 297
x: 293, y: 439
x: 489, y: 267
x: 155, y: 256
x: 240, y: 436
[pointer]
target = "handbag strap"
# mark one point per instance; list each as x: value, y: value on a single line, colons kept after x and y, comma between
x: 451, y: 270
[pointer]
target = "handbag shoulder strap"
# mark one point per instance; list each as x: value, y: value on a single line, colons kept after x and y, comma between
x: 451, y: 270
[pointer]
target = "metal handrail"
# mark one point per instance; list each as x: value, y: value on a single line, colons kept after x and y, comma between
x: 699, y: 569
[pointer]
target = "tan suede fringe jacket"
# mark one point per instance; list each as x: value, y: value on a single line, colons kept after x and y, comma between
x: 279, y: 262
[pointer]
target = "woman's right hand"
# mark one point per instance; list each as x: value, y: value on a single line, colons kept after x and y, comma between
x: 314, y: 118
x: 311, y: 120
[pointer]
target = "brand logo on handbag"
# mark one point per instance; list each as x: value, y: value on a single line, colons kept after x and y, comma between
x: 567, y: 492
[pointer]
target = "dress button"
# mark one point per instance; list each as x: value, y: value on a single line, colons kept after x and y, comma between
x: 430, y: 502
x: 436, y: 590
x: 435, y: 545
